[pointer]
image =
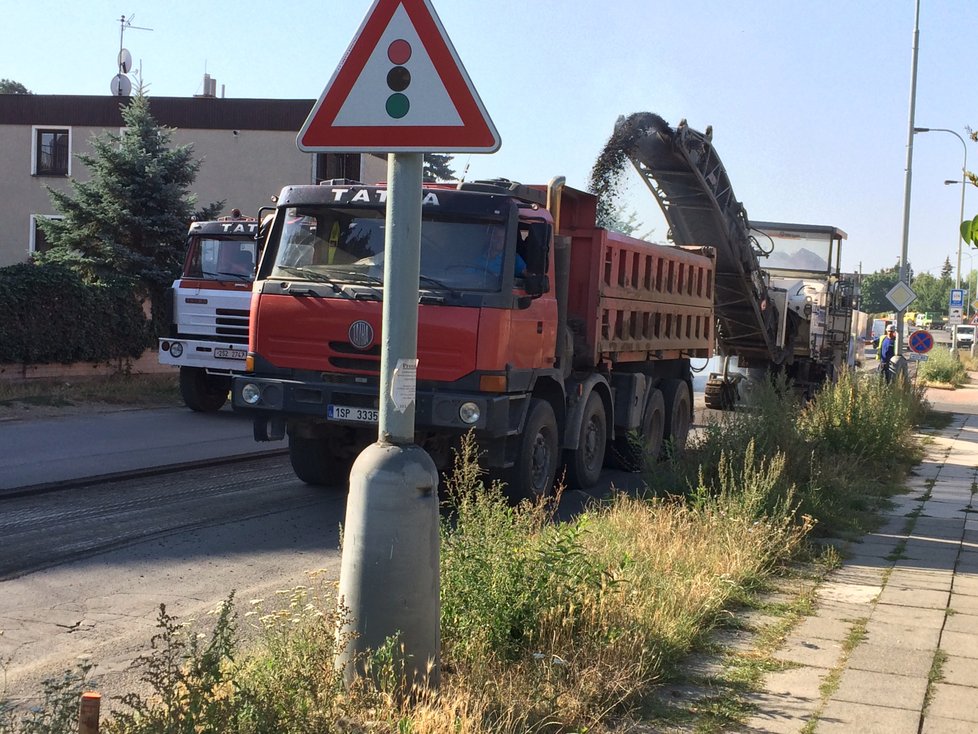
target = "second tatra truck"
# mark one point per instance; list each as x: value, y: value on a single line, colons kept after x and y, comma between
x: 562, y: 345
x: 208, y: 337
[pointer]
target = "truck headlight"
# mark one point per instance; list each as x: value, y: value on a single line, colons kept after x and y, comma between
x: 251, y: 393
x: 176, y: 349
x: 469, y: 413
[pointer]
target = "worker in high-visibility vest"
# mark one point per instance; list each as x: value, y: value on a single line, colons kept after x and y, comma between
x: 887, y: 351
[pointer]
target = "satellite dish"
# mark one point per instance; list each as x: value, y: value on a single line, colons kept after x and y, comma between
x: 125, y: 61
x: 120, y: 85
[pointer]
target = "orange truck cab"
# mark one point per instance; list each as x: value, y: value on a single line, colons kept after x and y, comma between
x: 555, y: 341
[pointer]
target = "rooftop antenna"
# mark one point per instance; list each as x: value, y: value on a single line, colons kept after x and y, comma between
x: 120, y: 84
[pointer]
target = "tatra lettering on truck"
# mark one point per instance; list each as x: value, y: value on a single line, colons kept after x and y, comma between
x: 375, y: 195
x: 557, y: 342
x: 208, y: 337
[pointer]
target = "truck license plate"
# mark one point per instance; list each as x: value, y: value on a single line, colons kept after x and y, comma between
x: 349, y: 413
x: 230, y: 353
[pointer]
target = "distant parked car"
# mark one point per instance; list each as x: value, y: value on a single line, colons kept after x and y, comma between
x: 966, y: 337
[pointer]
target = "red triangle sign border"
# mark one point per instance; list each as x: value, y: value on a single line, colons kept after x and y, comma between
x: 475, y: 134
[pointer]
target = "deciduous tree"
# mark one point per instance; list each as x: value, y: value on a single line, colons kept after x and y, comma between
x: 9, y: 86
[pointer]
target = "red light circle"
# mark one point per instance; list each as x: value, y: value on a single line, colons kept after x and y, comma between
x: 399, y: 51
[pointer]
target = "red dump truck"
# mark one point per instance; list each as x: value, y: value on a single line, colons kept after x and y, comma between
x: 560, y: 343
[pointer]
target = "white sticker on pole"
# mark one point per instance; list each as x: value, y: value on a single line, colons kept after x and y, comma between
x: 404, y: 383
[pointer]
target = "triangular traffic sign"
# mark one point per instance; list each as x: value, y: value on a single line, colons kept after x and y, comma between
x: 400, y: 87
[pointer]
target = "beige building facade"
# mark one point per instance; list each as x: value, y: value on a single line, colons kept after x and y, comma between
x: 246, y: 147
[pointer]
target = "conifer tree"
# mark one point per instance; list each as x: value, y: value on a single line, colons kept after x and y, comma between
x: 130, y: 218
x: 437, y: 167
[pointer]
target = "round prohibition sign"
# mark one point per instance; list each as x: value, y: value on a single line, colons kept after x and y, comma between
x: 921, y: 342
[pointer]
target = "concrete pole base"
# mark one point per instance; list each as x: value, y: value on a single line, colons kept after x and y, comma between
x: 389, y: 571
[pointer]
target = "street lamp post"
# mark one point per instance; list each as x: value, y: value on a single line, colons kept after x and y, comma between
x: 964, y: 179
x: 972, y: 296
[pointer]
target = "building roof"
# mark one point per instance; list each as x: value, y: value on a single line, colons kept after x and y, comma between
x: 187, y: 113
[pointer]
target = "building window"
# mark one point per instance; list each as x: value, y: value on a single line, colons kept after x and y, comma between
x: 39, y: 242
x: 52, y: 151
x: 337, y: 165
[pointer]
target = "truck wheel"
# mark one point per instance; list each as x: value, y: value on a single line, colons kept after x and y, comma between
x: 585, y: 463
x: 679, y: 414
x: 635, y: 450
x: 314, y: 463
x: 202, y: 392
x: 532, y: 475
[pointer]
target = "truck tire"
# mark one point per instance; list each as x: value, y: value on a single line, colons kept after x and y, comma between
x: 635, y: 450
x: 720, y: 394
x: 202, y: 392
x: 585, y: 463
x: 679, y: 414
x: 532, y: 474
x: 314, y: 463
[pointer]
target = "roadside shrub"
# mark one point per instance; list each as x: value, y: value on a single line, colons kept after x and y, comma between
x: 504, y: 568
x: 51, y: 315
x: 862, y: 417
x: 57, y: 712
x: 943, y: 368
x: 843, y: 452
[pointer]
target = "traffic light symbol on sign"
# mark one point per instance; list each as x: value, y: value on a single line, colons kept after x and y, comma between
x: 398, y: 78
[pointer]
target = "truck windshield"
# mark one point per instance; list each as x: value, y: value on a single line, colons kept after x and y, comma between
x: 212, y: 258
x: 795, y: 251
x: 348, y: 243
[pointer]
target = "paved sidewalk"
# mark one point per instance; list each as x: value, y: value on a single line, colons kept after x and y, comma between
x: 893, y: 645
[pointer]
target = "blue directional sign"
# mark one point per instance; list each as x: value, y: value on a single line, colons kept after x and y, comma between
x: 957, y: 298
x: 921, y: 342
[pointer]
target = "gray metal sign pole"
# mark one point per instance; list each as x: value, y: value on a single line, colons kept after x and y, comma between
x: 389, y: 571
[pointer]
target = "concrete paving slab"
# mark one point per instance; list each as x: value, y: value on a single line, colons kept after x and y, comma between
x: 867, y: 575
x: 954, y: 702
x: 777, y: 716
x: 869, y: 687
x: 971, y: 527
x: 910, y: 597
x: 868, y: 559
x: 957, y: 622
x: 916, y: 617
x: 891, y: 659
x: 962, y: 644
x: 845, y: 717
x: 905, y: 635
x: 949, y: 526
x: 963, y: 603
x: 940, y: 725
x: 816, y: 653
x: 821, y: 627
x: 946, y: 508
x: 968, y: 562
x: 959, y: 671
x: 893, y: 525
x: 965, y: 583
x: 798, y: 686
x: 939, y: 553
x: 845, y: 611
x: 921, y: 578
x: 886, y: 541
x: 848, y: 593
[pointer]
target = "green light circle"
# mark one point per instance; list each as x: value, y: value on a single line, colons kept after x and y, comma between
x: 398, y: 106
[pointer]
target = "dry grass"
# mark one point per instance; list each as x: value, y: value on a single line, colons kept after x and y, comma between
x: 44, y: 398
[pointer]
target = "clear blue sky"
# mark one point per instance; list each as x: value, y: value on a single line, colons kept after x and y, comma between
x: 809, y: 99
